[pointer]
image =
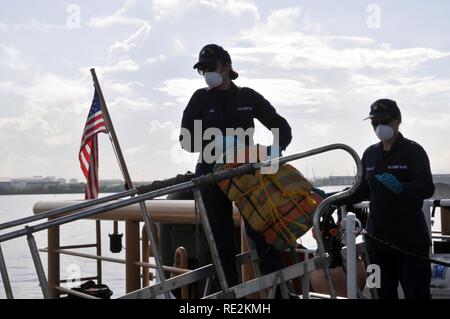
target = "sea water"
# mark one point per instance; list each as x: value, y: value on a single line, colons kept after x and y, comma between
x: 21, y: 269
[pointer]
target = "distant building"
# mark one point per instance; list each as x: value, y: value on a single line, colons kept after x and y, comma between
x: 441, y: 178
x: 340, y: 180
x: 4, y: 184
x: 41, y: 185
x: 110, y: 182
x: 348, y: 180
x: 33, y: 183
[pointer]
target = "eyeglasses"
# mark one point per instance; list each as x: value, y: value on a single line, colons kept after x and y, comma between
x: 381, y: 121
x: 207, y: 67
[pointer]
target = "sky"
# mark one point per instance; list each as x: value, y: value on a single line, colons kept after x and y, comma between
x: 320, y: 63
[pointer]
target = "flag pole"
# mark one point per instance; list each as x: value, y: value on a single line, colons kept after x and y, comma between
x: 112, y: 132
x: 132, y: 232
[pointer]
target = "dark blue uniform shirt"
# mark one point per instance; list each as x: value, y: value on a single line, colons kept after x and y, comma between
x: 397, y: 218
x: 234, y: 108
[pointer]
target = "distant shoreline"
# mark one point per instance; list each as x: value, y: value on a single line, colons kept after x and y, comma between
x: 57, y: 191
x: 442, y: 191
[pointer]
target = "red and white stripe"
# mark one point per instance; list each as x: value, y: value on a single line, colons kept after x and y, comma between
x: 89, y: 153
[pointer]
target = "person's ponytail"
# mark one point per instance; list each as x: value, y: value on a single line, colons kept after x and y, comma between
x: 233, y: 74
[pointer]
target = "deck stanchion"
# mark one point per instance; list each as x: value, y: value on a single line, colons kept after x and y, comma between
x: 132, y: 272
x: 154, y: 246
x: 5, y: 277
x: 145, y: 257
x: 37, y: 263
x: 305, y: 277
x: 350, y: 242
x: 53, y: 259
x: 210, y: 238
x: 98, y: 236
x: 181, y: 261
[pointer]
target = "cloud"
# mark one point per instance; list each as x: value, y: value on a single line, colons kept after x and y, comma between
x: 59, y: 139
x: 234, y: 7
x: 139, y: 104
x: 25, y: 122
x: 119, y: 87
x: 51, y: 92
x: 289, y: 92
x: 176, y: 8
x: 156, y: 126
x: 322, y: 81
x: 31, y: 25
x: 398, y: 86
x: 279, y: 43
x: 11, y: 57
x: 132, y: 41
x: 156, y: 59
x: 133, y: 150
x: 180, y: 47
x: 181, y: 88
x: 118, y: 18
x: 9, y: 86
x: 286, y: 92
x: 126, y: 65
x: 165, y: 8
x: 119, y: 59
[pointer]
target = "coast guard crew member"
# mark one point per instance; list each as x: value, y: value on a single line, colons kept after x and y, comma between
x: 397, y: 178
x: 224, y: 105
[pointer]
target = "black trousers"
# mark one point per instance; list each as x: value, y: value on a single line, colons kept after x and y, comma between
x: 220, y: 215
x: 412, y: 273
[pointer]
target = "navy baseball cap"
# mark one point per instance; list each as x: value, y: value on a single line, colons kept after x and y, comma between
x: 212, y: 53
x: 384, y: 108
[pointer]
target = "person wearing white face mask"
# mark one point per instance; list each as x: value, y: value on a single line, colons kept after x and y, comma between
x: 397, y: 178
x: 224, y: 106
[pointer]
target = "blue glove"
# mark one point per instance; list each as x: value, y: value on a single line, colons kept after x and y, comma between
x: 273, y: 151
x: 391, y: 182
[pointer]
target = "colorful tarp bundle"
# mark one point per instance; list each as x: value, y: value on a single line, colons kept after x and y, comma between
x: 281, y: 206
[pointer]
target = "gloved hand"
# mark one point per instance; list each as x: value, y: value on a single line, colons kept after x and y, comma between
x: 391, y: 182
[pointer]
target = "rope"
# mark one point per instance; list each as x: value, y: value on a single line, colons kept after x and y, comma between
x: 406, y: 252
x: 274, y: 213
x: 276, y: 216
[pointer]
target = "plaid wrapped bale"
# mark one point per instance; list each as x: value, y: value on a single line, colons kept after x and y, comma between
x: 281, y: 206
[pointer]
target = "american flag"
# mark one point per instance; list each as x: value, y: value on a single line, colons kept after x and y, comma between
x: 89, y: 147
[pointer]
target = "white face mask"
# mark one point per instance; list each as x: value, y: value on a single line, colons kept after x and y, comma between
x: 213, y: 79
x: 384, y: 132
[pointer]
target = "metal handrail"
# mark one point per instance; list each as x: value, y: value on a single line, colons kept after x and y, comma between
x: 82, y: 205
x: 190, y: 184
x: 325, y: 204
x: 68, y: 209
x: 177, y: 187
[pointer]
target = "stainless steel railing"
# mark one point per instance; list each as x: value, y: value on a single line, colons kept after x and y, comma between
x: 165, y: 190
